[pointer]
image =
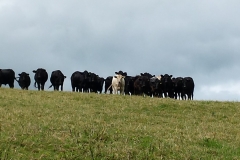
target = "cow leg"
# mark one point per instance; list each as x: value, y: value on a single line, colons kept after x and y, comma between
x: 42, y: 86
x: 38, y: 85
x: 57, y: 87
x: 11, y: 85
x: 61, y: 87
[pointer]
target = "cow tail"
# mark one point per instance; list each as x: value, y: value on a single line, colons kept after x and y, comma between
x: 109, y: 87
x: 16, y: 79
x: 49, y: 86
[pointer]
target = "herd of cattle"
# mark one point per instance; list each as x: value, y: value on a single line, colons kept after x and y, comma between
x: 143, y: 84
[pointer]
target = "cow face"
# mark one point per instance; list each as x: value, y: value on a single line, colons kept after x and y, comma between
x: 23, y: 76
x: 178, y: 82
x: 86, y: 75
x: 40, y: 73
x: 154, y: 82
x: 119, y: 78
x: 187, y: 81
x: 143, y: 81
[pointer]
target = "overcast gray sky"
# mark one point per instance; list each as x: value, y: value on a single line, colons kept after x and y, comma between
x: 200, y: 39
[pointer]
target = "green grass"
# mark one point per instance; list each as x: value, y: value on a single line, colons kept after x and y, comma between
x: 66, y: 125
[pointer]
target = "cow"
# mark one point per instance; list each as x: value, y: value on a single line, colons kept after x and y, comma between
x: 188, y: 87
x: 121, y: 73
x: 108, y: 82
x: 154, y: 83
x: 167, y: 83
x: 100, y: 82
x: 57, y: 79
x: 118, y: 84
x: 160, y: 87
x: 85, y: 81
x: 7, y: 76
x: 141, y: 85
x: 76, y: 81
x: 40, y: 77
x: 92, y: 82
x: 129, y: 85
x: 24, y: 80
x: 178, y: 87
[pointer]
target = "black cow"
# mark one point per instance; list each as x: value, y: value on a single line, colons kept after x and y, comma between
x: 141, y: 85
x: 178, y: 87
x: 57, y: 79
x: 168, y: 89
x: 86, y: 81
x: 76, y: 79
x: 129, y: 85
x: 80, y: 81
x: 108, y: 82
x: 93, y: 78
x: 7, y: 76
x: 100, y: 82
x: 24, y: 80
x: 188, y: 88
x: 155, y: 87
x: 41, y: 76
x: 121, y: 73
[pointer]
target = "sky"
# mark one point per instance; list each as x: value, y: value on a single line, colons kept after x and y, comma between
x: 198, y: 39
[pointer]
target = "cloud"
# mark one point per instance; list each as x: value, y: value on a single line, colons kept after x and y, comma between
x: 185, y: 38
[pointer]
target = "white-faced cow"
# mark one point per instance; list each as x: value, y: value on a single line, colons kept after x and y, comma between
x: 40, y: 77
x: 118, y: 84
x: 57, y: 79
x: 7, y: 76
x: 24, y: 80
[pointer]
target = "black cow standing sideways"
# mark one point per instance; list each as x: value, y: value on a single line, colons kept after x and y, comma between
x: 57, y: 79
x: 7, y: 76
x: 24, y: 80
x: 40, y: 77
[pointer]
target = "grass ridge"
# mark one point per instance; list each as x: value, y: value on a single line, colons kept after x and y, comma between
x: 66, y: 125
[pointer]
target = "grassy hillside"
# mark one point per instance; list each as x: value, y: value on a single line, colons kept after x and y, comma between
x: 66, y: 125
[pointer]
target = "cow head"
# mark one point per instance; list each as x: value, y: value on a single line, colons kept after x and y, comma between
x: 23, y: 75
x: 119, y: 78
x: 143, y: 81
x: 154, y: 83
x: 187, y: 81
x: 86, y: 75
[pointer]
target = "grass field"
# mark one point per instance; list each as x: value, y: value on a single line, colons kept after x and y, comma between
x: 66, y: 125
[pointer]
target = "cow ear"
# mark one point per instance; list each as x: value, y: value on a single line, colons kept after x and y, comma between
x: 19, y: 74
x: 34, y: 71
x: 115, y: 76
x: 141, y: 74
x: 27, y: 74
x: 116, y: 72
x: 170, y: 75
x: 65, y: 77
